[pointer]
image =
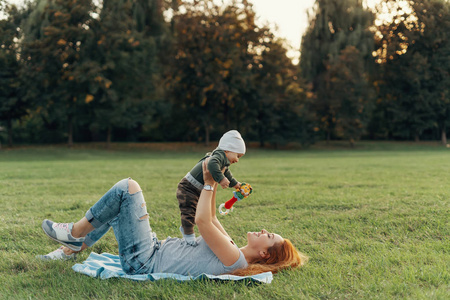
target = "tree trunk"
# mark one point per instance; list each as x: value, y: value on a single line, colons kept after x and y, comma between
x: 109, y: 137
x: 352, y: 143
x: 261, y: 131
x: 70, y: 132
x: 262, y: 143
x: 10, y: 133
x: 444, y: 136
x: 416, y: 138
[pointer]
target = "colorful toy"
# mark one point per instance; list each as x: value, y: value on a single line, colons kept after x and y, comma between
x: 243, y: 192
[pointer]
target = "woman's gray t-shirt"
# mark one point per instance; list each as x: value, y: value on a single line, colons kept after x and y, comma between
x: 176, y: 256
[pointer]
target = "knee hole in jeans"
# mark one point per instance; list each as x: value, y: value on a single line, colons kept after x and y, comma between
x: 144, y: 217
x: 133, y: 187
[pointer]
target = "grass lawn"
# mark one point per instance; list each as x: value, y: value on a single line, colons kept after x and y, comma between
x: 373, y: 220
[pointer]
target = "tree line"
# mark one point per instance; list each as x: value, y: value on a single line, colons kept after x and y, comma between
x: 155, y: 70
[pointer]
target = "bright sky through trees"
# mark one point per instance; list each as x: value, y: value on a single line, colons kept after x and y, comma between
x: 291, y: 18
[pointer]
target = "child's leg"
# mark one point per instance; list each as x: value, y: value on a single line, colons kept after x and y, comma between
x: 187, y: 196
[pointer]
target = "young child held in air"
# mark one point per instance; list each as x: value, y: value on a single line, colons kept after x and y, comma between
x: 231, y: 148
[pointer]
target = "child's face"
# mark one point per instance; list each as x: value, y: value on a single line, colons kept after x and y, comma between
x: 233, y: 157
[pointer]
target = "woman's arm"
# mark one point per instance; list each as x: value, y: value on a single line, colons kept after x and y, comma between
x: 213, y: 213
x: 218, y: 241
x: 219, y: 226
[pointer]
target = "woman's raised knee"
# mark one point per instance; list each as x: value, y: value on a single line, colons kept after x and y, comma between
x: 133, y: 186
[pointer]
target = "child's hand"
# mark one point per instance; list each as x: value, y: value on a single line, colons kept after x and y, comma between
x: 237, y: 186
x: 224, y: 183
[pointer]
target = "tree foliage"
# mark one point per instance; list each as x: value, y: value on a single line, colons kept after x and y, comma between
x: 228, y: 72
x: 13, y: 104
x: 150, y: 70
x: 339, y: 35
x: 55, y: 36
x: 211, y: 64
x: 91, y: 66
x: 413, y: 52
x: 123, y: 62
x: 281, y: 99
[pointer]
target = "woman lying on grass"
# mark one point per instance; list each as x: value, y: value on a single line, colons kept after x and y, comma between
x: 123, y: 208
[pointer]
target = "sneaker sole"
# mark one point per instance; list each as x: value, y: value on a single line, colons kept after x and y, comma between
x: 45, y: 258
x: 67, y: 244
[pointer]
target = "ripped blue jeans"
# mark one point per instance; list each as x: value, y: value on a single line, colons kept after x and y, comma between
x: 127, y: 215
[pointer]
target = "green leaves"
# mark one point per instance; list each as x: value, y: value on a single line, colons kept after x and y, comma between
x: 208, y: 67
x: 415, y: 69
x: 221, y: 72
x: 337, y: 59
x: 13, y: 104
x: 101, y: 55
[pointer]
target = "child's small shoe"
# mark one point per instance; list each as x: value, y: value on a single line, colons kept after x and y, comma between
x: 58, y: 254
x: 189, y: 238
x: 62, y: 233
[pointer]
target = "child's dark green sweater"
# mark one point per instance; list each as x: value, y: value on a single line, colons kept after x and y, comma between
x: 217, y: 162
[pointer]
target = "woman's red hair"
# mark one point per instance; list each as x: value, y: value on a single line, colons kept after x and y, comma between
x: 282, y: 256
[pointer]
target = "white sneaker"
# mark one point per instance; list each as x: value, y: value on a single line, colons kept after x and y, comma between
x: 58, y: 254
x: 62, y: 233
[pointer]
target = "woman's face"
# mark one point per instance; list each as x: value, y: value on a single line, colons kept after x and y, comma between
x: 263, y: 239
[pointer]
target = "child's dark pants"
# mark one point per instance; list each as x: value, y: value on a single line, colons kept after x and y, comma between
x: 187, y: 196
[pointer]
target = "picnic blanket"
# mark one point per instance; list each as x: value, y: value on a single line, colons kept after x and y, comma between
x: 107, y: 265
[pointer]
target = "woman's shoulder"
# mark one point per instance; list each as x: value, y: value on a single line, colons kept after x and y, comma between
x: 241, y: 263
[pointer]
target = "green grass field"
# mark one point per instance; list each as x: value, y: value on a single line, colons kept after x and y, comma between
x: 373, y: 220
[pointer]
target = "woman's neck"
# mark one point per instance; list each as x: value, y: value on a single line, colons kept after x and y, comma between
x: 249, y: 253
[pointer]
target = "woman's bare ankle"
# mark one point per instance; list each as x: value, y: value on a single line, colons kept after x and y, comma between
x: 75, y: 232
x: 68, y: 251
x: 81, y: 228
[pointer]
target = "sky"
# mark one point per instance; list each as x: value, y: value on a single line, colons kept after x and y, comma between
x: 289, y: 16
